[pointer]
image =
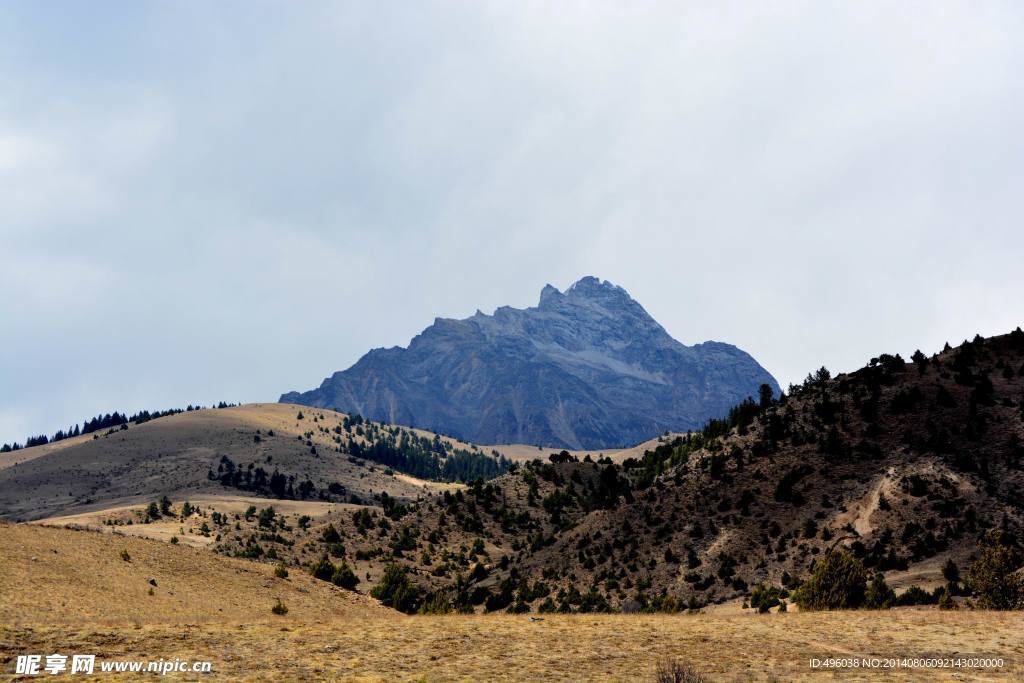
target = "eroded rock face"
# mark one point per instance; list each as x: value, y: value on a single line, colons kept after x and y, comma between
x: 586, y: 368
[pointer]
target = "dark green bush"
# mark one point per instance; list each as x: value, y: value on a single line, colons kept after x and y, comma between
x: 323, y: 569
x: 994, y: 576
x: 915, y: 595
x: 395, y: 590
x: 344, y: 577
x: 764, y: 598
x: 839, y: 581
x: 879, y: 595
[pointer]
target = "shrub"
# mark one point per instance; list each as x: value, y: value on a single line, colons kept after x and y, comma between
x: 437, y: 603
x: 992, y: 576
x: 879, y: 595
x: 674, y: 671
x: 478, y: 573
x: 125, y: 556
x: 915, y: 595
x: 281, y: 571
x: 280, y: 608
x: 950, y: 572
x: 764, y: 598
x: 547, y: 607
x: 323, y: 569
x: 519, y: 607
x: 344, y: 577
x: 785, y: 489
x: 838, y: 581
x: 497, y: 601
x: 395, y: 590
x: 267, y: 517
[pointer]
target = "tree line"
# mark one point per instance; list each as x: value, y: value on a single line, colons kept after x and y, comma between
x: 103, y: 421
x: 427, y: 458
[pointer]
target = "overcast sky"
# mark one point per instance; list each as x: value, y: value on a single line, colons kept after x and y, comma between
x: 225, y: 201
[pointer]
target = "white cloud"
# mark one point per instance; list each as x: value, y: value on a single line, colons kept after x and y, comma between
x: 221, y: 201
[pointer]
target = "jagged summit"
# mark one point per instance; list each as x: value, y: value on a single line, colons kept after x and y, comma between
x: 549, y: 296
x: 596, y: 296
x: 588, y: 288
x: 585, y: 368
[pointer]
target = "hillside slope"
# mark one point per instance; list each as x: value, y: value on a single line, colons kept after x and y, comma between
x: 233, y: 450
x: 905, y: 463
x: 61, y: 576
x: 585, y: 369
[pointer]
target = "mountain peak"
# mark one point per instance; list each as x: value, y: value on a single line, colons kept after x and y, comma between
x: 587, y: 368
x: 586, y: 289
x: 549, y: 295
x: 594, y: 287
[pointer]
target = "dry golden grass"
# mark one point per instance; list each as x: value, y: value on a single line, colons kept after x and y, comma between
x: 28, y: 454
x: 579, y: 648
x: 188, y: 531
x: 61, y: 576
x: 524, y: 453
x: 69, y: 591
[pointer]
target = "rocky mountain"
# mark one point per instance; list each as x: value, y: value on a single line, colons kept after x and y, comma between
x: 587, y: 368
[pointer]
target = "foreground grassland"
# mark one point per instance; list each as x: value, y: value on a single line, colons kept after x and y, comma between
x: 125, y: 598
x: 574, y: 647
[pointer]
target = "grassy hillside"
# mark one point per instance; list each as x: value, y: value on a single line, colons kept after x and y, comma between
x: 63, y: 576
x: 321, y: 455
x: 906, y: 463
x: 344, y: 459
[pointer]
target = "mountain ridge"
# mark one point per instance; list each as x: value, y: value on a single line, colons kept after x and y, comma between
x: 908, y: 465
x: 586, y: 368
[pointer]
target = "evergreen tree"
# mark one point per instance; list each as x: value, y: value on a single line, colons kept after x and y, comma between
x: 395, y: 590
x: 344, y: 577
x: 994, y: 576
x: 838, y: 581
x: 879, y: 595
